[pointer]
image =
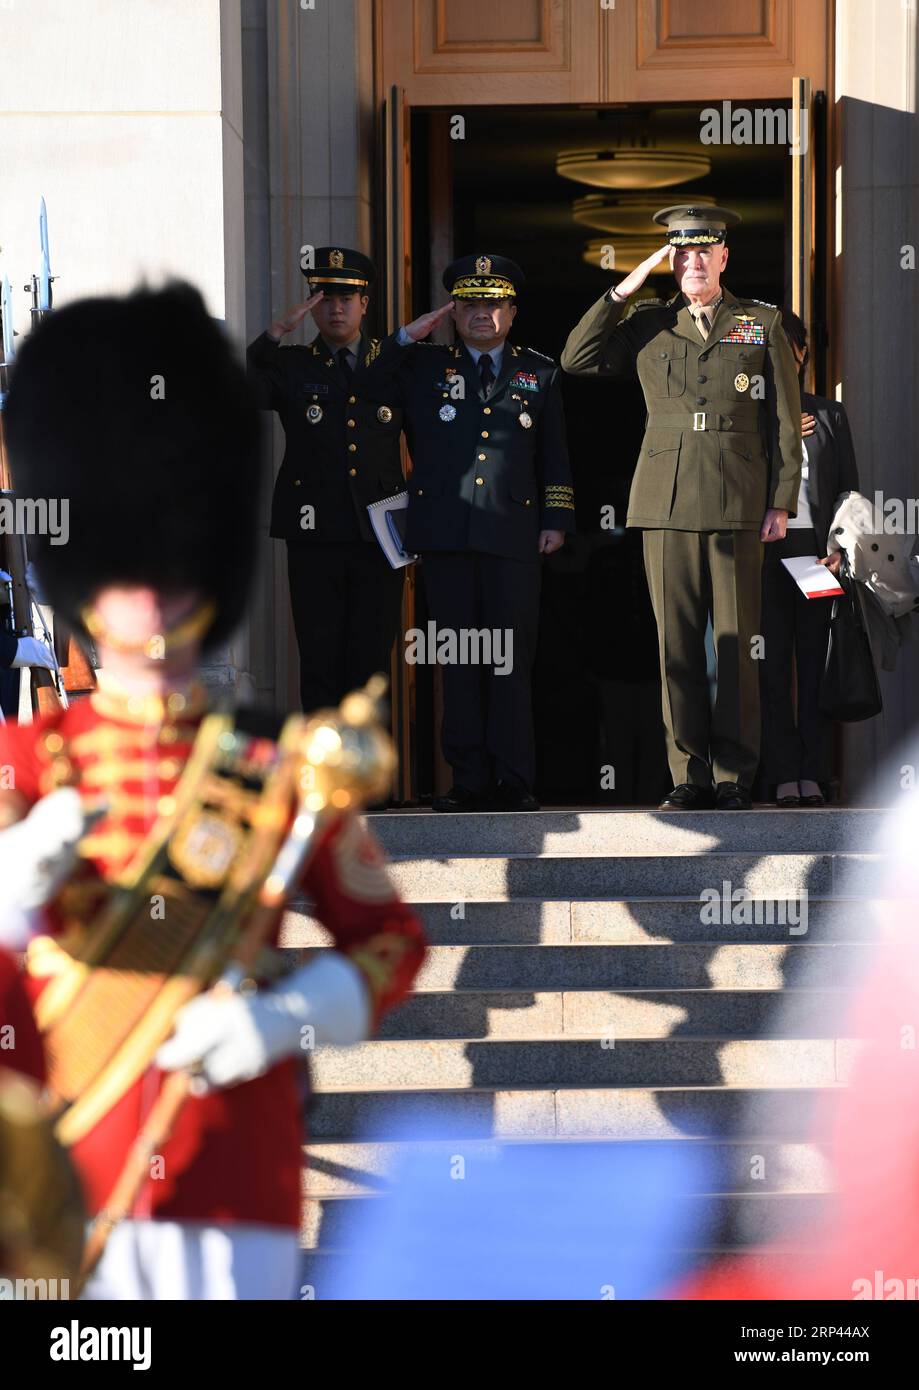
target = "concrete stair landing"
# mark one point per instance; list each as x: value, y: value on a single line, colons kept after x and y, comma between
x: 579, y: 991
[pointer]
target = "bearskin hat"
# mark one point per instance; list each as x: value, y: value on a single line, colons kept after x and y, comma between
x: 136, y: 412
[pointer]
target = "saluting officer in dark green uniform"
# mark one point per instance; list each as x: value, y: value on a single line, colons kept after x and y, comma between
x: 342, y: 454
x: 490, y: 494
x: 717, y: 476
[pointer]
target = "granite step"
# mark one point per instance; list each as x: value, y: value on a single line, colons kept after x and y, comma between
x: 422, y: 833
x: 764, y: 874
x: 611, y: 1062
x: 335, y: 1169
x: 625, y: 921
x: 699, y: 965
x: 782, y: 1113
x: 737, y: 1219
x: 470, y: 1013
x: 320, y: 1267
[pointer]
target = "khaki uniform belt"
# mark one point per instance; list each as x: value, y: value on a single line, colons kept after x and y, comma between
x: 744, y: 421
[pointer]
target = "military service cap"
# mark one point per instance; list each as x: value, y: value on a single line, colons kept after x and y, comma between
x: 339, y: 269
x: 691, y: 225
x: 483, y: 277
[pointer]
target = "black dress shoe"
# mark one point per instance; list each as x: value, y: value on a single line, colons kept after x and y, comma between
x: 785, y: 802
x: 818, y: 800
x: 688, y: 796
x: 513, y: 796
x: 459, y: 799
x: 731, y: 796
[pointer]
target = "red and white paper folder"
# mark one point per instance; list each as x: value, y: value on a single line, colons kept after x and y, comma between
x: 814, y: 581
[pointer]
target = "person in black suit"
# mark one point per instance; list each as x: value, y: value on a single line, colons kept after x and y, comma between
x: 490, y: 494
x: 342, y: 453
x: 797, y: 745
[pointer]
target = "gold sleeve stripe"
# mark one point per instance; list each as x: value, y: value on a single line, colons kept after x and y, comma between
x: 378, y: 960
x: 559, y: 495
x: 360, y: 867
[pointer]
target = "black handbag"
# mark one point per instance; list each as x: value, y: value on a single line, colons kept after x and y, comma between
x: 849, y: 689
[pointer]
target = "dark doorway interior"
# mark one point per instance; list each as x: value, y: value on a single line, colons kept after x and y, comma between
x: 596, y: 686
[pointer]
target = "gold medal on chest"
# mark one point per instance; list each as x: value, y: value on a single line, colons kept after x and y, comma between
x: 524, y: 419
x: 314, y: 414
x: 741, y: 381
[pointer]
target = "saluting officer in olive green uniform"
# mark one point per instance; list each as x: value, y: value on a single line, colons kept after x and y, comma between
x: 717, y: 476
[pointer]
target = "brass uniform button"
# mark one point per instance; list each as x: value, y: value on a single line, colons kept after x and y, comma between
x: 526, y: 501
x: 482, y: 458
x: 419, y: 492
x: 351, y: 424
x: 352, y: 448
x: 352, y: 472
x: 61, y: 769
x: 54, y: 743
x: 479, y: 482
x: 296, y: 482
x: 486, y: 410
x: 352, y: 400
x: 485, y: 434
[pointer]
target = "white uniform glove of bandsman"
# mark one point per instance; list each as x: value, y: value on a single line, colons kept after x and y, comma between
x: 36, y: 855
x: 31, y: 652
x: 228, y: 1038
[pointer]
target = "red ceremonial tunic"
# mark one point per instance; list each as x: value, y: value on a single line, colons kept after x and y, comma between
x: 235, y: 1154
x: 20, y: 1044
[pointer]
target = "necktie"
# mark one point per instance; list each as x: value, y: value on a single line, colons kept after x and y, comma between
x: 702, y: 323
x: 345, y: 364
x: 486, y: 374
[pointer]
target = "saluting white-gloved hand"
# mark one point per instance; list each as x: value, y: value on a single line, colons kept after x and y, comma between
x: 31, y: 652
x: 36, y: 855
x: 228, y: 1038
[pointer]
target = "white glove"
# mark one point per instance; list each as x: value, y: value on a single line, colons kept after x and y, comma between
x: 31, y: 652
x: 231, y: 1038
x: 36, y: 855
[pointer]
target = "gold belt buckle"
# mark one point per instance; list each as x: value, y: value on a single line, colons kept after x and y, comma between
x: 698, y: 420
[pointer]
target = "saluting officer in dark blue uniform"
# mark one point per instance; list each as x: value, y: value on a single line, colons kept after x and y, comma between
x: 342, y: 454
x: 490, y: 493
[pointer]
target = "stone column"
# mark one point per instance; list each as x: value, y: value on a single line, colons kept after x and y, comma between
x: 876, y: 347
x: 127, y: 118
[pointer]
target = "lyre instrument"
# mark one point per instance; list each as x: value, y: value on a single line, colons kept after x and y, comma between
x: 194, y: 907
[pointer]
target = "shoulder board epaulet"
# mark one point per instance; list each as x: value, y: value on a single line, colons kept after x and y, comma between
x: 650, y: 304
x: 533, y: 353
x: 372, y: 351
x: 763, y: 303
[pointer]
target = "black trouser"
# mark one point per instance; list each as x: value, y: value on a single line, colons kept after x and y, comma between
x: 488, y: 718
x: 346, y: 601
x: 793, y: 626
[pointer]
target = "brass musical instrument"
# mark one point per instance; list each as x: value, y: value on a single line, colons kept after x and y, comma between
x: 200, y: 896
